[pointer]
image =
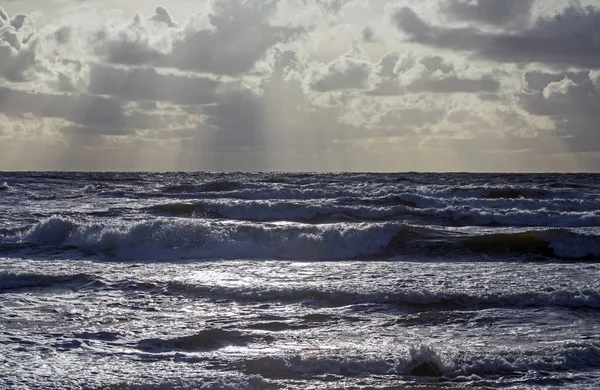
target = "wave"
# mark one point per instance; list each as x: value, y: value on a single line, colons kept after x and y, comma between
x: 12, y: 281
x: 424, y: 299
x: 559, y: 243
x: 404, y: 297
x: 185, y: 210
x: 399, y: 208
x: 209, y: 186
x: 417, y: 361
x: 264, y: 211
x: 176, y: 238
x: 551, y: 243
x: 417, y: 207
x: 4, y: 186
x: 469, y: 216
x: 429, y: 361
x: 208, y: 339
x: 184, y: 238
x: 514, y: 193
x: 250, y: 382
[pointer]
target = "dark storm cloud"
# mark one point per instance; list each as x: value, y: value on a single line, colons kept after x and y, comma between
x: 493, y: 12
x: 571, y: 38
x: 571, y: 100
x: 139, y: 84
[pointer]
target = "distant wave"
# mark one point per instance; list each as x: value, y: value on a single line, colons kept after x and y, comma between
x: 185, y: 210
x: 274, y: 211
x: 410, y: 209
x: 210, y: 186
x: 514, y: 193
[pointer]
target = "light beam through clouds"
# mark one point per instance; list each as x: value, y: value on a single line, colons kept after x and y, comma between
x: 353, y: 85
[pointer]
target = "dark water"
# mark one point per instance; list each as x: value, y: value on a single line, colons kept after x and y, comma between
x: 267, y: 280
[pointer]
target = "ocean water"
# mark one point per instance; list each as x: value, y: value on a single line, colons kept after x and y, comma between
x: 296, y: 281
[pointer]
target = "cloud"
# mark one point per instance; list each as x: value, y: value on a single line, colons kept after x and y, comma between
x: 258, y: 85
x: 17, y: 50
x: 161, y: 15
x: 237, y: 121
x: 395, y: 74
x: 139, y: 84
x: 453, y: 84
x: 407, y: 74
x: 571, y: 38
x: 83, y: 113
x: 227, y: 38
x: 492, y: 12
x: 350, y: 71
x: 81, y: 109
x: 571, y: 101
x: 238, y: 36
x: 369, y: 35
x: 333, y: 6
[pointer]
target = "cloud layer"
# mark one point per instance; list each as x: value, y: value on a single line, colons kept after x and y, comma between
x: 312, y: 85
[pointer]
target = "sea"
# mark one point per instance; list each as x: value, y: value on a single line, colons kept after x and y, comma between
x: 299, y: 281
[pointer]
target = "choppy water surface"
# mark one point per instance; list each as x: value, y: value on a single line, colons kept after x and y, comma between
x: 252, y: 281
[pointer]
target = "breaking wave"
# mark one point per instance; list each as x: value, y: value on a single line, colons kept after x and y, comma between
x: 428, y: 361
x: 175, y: 238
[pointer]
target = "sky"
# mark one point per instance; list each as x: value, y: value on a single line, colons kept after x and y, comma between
x: 300, y: 85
